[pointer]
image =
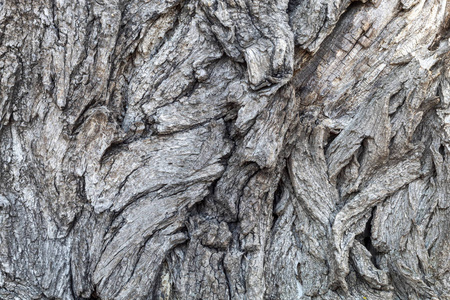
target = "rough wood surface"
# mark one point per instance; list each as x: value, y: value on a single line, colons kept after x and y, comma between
x: 224, y: 149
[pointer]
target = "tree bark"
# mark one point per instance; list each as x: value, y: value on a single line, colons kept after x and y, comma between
x: 224, y: 149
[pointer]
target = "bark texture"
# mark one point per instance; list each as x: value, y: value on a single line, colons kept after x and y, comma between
x: 224, y: 149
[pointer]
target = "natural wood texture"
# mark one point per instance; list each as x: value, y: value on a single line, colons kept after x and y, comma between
x: 224, y: 149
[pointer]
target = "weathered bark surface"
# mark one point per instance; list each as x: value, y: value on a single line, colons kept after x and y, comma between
x: 224, y: 149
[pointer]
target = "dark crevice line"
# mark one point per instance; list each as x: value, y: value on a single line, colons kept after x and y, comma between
x: 332, y: 135
x: 122, y: 184
x: 111, y: 150
x: 366, y: 239
x: 276, y: 199
x: 71, y: 281
x: 73, y: 86
x: 82, y: 117
x: 55, y: 22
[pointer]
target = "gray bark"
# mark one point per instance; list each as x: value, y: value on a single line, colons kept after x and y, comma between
x: 224, y: 149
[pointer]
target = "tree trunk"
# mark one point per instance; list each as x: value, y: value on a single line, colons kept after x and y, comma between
x: 224, y: 149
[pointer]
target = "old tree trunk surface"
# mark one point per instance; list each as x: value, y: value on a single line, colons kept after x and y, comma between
x: 224, y: 149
